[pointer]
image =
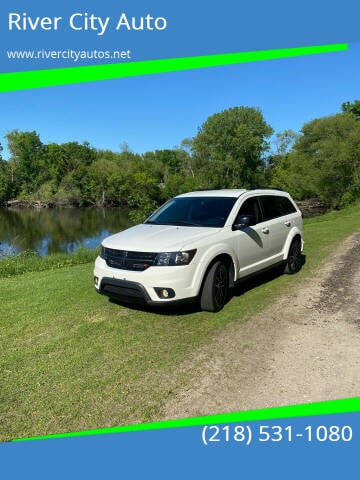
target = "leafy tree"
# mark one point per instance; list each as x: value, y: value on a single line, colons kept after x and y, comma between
x: 229, y: 150
x: 7, y: 187
x: 277, y: 162
x: 61, y: 159
x: 143, y: 195
x: 325, y: 161
x: 56, y: 160
x: 187, y: 146
x: 352, y: 107
x: 104, y: 182
x: 172, y: 160
x: 182, y: 183
x: 231, y: 144
x: 27, y: 157
x: 5, y: 184
x: 69, y: 190
x: 284, y: 141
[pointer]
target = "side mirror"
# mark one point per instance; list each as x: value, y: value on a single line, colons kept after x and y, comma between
x: 244, y: 221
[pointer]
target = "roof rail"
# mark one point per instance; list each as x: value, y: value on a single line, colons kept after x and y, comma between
x: 265, y: 188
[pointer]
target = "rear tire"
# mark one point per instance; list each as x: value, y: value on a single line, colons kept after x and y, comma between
x: 216, y: 286
x: 294, y: 260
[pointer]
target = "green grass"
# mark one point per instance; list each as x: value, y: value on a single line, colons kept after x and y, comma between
x: 31, y: 261
x: 71, y: 360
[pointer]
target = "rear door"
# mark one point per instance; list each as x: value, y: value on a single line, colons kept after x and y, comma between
x: 275, y: 224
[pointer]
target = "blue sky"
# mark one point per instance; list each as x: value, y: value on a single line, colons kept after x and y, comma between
x: 158, y: 111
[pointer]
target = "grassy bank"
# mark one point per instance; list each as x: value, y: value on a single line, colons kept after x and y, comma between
x: 72, y: 360
x: 30, y: 261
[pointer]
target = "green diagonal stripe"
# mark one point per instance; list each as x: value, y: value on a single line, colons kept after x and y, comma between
x: 64, y: 76
x: 319, y: 408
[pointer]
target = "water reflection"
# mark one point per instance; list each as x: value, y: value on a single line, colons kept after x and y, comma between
x: 58, y: 230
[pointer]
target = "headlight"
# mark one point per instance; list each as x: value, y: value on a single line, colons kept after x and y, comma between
x: 174, y: 258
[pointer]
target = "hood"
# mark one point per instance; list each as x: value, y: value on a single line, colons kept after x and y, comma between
x: 157, y: 238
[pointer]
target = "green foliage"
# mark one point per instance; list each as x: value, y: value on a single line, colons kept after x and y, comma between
x: 31, y: 261
x: 180, y: 183
x: 69, y: 190
x: 227, y: 152
x: 143, y: 194
x: 352, y: 107
x: 324, y: 162
x: 172, y: 161
x: 104, y: 181
x: 27, y: 157
x: 232, y: 144
x: 285, y: 141
x: 5, y: 183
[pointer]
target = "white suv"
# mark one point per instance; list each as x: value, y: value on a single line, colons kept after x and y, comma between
x: 198, y: 245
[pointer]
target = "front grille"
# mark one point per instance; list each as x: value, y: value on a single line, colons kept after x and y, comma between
x: 126, y: 260
x: 123, y: 289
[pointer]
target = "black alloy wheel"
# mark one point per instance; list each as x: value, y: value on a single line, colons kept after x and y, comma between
x: 216, y: 286
x: 294, y: 260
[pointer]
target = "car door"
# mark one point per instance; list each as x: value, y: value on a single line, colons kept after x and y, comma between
x: 275, y: 224
x: 251, y: 243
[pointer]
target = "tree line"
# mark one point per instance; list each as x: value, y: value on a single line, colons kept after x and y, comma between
x: 232, y: 149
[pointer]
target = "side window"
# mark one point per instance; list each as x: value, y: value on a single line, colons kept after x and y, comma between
x: 288, y: 207
x: 272, y: 206
x: 250, y: 207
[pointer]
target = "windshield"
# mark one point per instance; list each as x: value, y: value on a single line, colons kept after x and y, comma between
x: 194, y: 212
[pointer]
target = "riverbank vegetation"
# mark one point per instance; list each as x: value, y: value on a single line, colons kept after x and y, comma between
x: 32, y: 261
x: 234, y: 148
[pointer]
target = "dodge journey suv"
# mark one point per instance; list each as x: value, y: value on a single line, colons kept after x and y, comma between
x: 198, y: 245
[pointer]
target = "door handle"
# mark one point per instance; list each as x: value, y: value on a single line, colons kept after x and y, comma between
x: 265, y: 230
x: 287, y: 223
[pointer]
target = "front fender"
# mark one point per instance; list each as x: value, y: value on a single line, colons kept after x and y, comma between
x: 208, y: 257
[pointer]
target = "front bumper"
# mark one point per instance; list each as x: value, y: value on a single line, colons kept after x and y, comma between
x: 139, y: 287
x: 132, y: 292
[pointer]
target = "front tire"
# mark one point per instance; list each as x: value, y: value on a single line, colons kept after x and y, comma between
x: 294, y: 260
x: 216, y: 286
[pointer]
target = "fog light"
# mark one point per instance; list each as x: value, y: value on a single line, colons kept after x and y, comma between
x: 96, y: 281
x: 164, y: 292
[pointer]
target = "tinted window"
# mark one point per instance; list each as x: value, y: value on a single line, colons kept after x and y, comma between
x: 272, y: 206
x: 194, y: 211
x: 250, y: 207
x: 287, y: 206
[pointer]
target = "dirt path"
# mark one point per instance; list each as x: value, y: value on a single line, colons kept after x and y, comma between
x: 301, y: 349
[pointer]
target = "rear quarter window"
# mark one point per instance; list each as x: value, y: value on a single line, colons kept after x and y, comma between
x: 276, y: 206
x: 287, y: 206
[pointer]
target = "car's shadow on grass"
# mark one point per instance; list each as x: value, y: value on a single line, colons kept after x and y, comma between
x: 260, y: 279
x: 169, y: 310
x: 194, y: 306
x: 256, y: 281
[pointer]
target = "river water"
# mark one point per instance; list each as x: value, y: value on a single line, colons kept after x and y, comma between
x: 58, y: 229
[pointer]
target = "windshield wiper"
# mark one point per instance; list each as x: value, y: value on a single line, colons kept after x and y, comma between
x: 175, y: 223
x: 179, y: 223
